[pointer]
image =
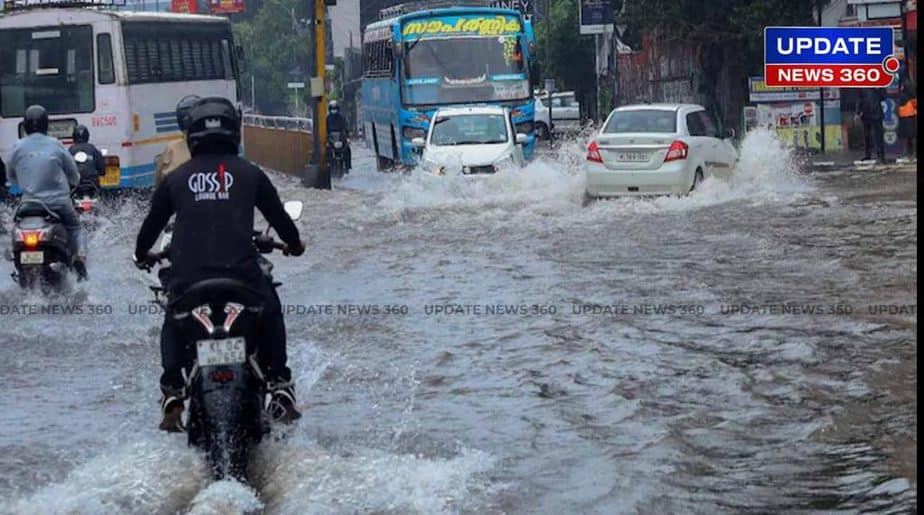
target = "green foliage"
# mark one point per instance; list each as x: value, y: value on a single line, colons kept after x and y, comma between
x: 571, y: 56
x: 274, y: 44
x: 738, y: 22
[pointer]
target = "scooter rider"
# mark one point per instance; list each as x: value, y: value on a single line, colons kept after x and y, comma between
x: 176, y: 152
x: 46, y: 172
x: 94, y: 166
x: 336, y: 122
x: 213, y: 196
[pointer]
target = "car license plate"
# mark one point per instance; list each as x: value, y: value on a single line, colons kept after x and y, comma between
x: 32, y: 257
x: 112, y: 178
x: 227, y: 351
x: 633, y: 157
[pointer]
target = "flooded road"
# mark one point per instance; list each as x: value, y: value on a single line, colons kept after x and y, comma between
x: 495, y: 346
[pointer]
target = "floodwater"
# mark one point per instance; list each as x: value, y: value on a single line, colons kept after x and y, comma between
x: 495, y: 346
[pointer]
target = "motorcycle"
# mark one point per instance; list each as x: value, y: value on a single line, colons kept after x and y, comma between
x: 226, y: 388
x: 40, y: 251
x: 86, y: 194
x: 336, y: 154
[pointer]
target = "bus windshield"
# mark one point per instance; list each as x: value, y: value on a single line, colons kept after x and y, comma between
x: 464, y: 70
x: 50, y: 66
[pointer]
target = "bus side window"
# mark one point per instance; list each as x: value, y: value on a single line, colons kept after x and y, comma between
x: 105, y: 70
x: 230, y: 73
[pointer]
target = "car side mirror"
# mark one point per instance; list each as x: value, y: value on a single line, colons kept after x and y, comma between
x: 418, y: 142
x: 729, y: 133
x: 294, y: 209
x: 521, y: 139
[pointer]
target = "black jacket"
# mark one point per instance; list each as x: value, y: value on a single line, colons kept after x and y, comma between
x: 2, y: 175
x: 213, y: 231
x: 94, y: 167
x: 337, y: 122
x: 870, y: 107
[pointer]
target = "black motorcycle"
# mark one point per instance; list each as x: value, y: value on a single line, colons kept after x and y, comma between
x: 40, y: 252
x: 336, y: 154
x: 226, y: 387
x: 86, y: 194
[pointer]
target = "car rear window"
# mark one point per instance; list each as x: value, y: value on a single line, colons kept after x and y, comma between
x: 642, y: 120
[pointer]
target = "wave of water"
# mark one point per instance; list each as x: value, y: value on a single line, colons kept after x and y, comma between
x: 765, y: 172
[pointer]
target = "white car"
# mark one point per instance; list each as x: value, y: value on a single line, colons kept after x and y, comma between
x: 566, y: 113
x: 470, y: 141
x: 657, y: 149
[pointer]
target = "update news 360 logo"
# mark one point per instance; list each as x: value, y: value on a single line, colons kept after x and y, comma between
x: 843, y: 57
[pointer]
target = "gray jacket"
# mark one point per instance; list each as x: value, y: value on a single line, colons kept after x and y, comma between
x: 43, y: 169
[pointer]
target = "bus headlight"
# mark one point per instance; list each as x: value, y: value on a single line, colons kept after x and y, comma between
x: 524, y: 128
x: 413, y: 132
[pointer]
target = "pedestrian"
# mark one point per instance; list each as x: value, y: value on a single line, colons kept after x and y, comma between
x: 908, y: 116
x: 869, y: 110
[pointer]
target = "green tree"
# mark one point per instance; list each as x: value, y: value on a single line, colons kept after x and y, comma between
x: 716, y: 25
x: 571, y: 57
x: 274, y: 42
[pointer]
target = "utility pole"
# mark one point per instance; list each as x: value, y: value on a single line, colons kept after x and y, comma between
x: 821, y: 91
x: 548, y: 62
x: 317, y: 174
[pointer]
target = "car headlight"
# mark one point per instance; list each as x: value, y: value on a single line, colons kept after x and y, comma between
x: 524, y: 128
x: 413, y: 132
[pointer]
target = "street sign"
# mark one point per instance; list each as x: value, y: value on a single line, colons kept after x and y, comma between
x: 296, y: 85
x: 524, y: 6
x: 596, y: 16
x: 550, y: 85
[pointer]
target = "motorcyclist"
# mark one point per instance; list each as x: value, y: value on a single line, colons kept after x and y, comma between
x: 94, y: 166
x: 336, y: 122
x: 3, y: 191
x: 176, y: 152
x: 213, y: 196
x: 46, y: 172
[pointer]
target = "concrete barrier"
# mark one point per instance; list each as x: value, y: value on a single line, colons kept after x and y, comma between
x: 278, y: 143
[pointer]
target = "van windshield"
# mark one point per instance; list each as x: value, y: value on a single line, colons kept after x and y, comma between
x: 49, y: 66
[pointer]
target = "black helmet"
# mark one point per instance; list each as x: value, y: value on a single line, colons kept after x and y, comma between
x: 182, y: 110
x: 35, y: 120
x: 81, y: 134
x: 214, y: 122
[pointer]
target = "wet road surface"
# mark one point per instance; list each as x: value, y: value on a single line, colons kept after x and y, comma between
x: 497, y: 347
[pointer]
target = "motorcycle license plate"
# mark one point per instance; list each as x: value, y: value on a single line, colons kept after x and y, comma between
x: 227, y: 351
x: 32, y: 257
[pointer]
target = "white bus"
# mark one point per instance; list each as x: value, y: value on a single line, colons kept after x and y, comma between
x: 119, y: 73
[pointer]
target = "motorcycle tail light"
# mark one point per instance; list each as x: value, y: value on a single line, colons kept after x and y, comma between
x: 30, y: 239
x: 222, y: 376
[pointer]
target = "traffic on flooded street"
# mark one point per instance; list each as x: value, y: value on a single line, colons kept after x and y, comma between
x: 479, y: 284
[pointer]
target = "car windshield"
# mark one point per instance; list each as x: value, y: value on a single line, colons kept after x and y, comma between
x: 642, y: 120
x: 470, y: 129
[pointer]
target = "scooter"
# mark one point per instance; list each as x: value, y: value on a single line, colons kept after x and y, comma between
x: 40, y: 252
x: 336, y: 154
x: 227, y: 390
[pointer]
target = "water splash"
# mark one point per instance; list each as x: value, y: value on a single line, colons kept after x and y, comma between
x: 296, y: 476
x: 226, y: 497
x: 156, y: 475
